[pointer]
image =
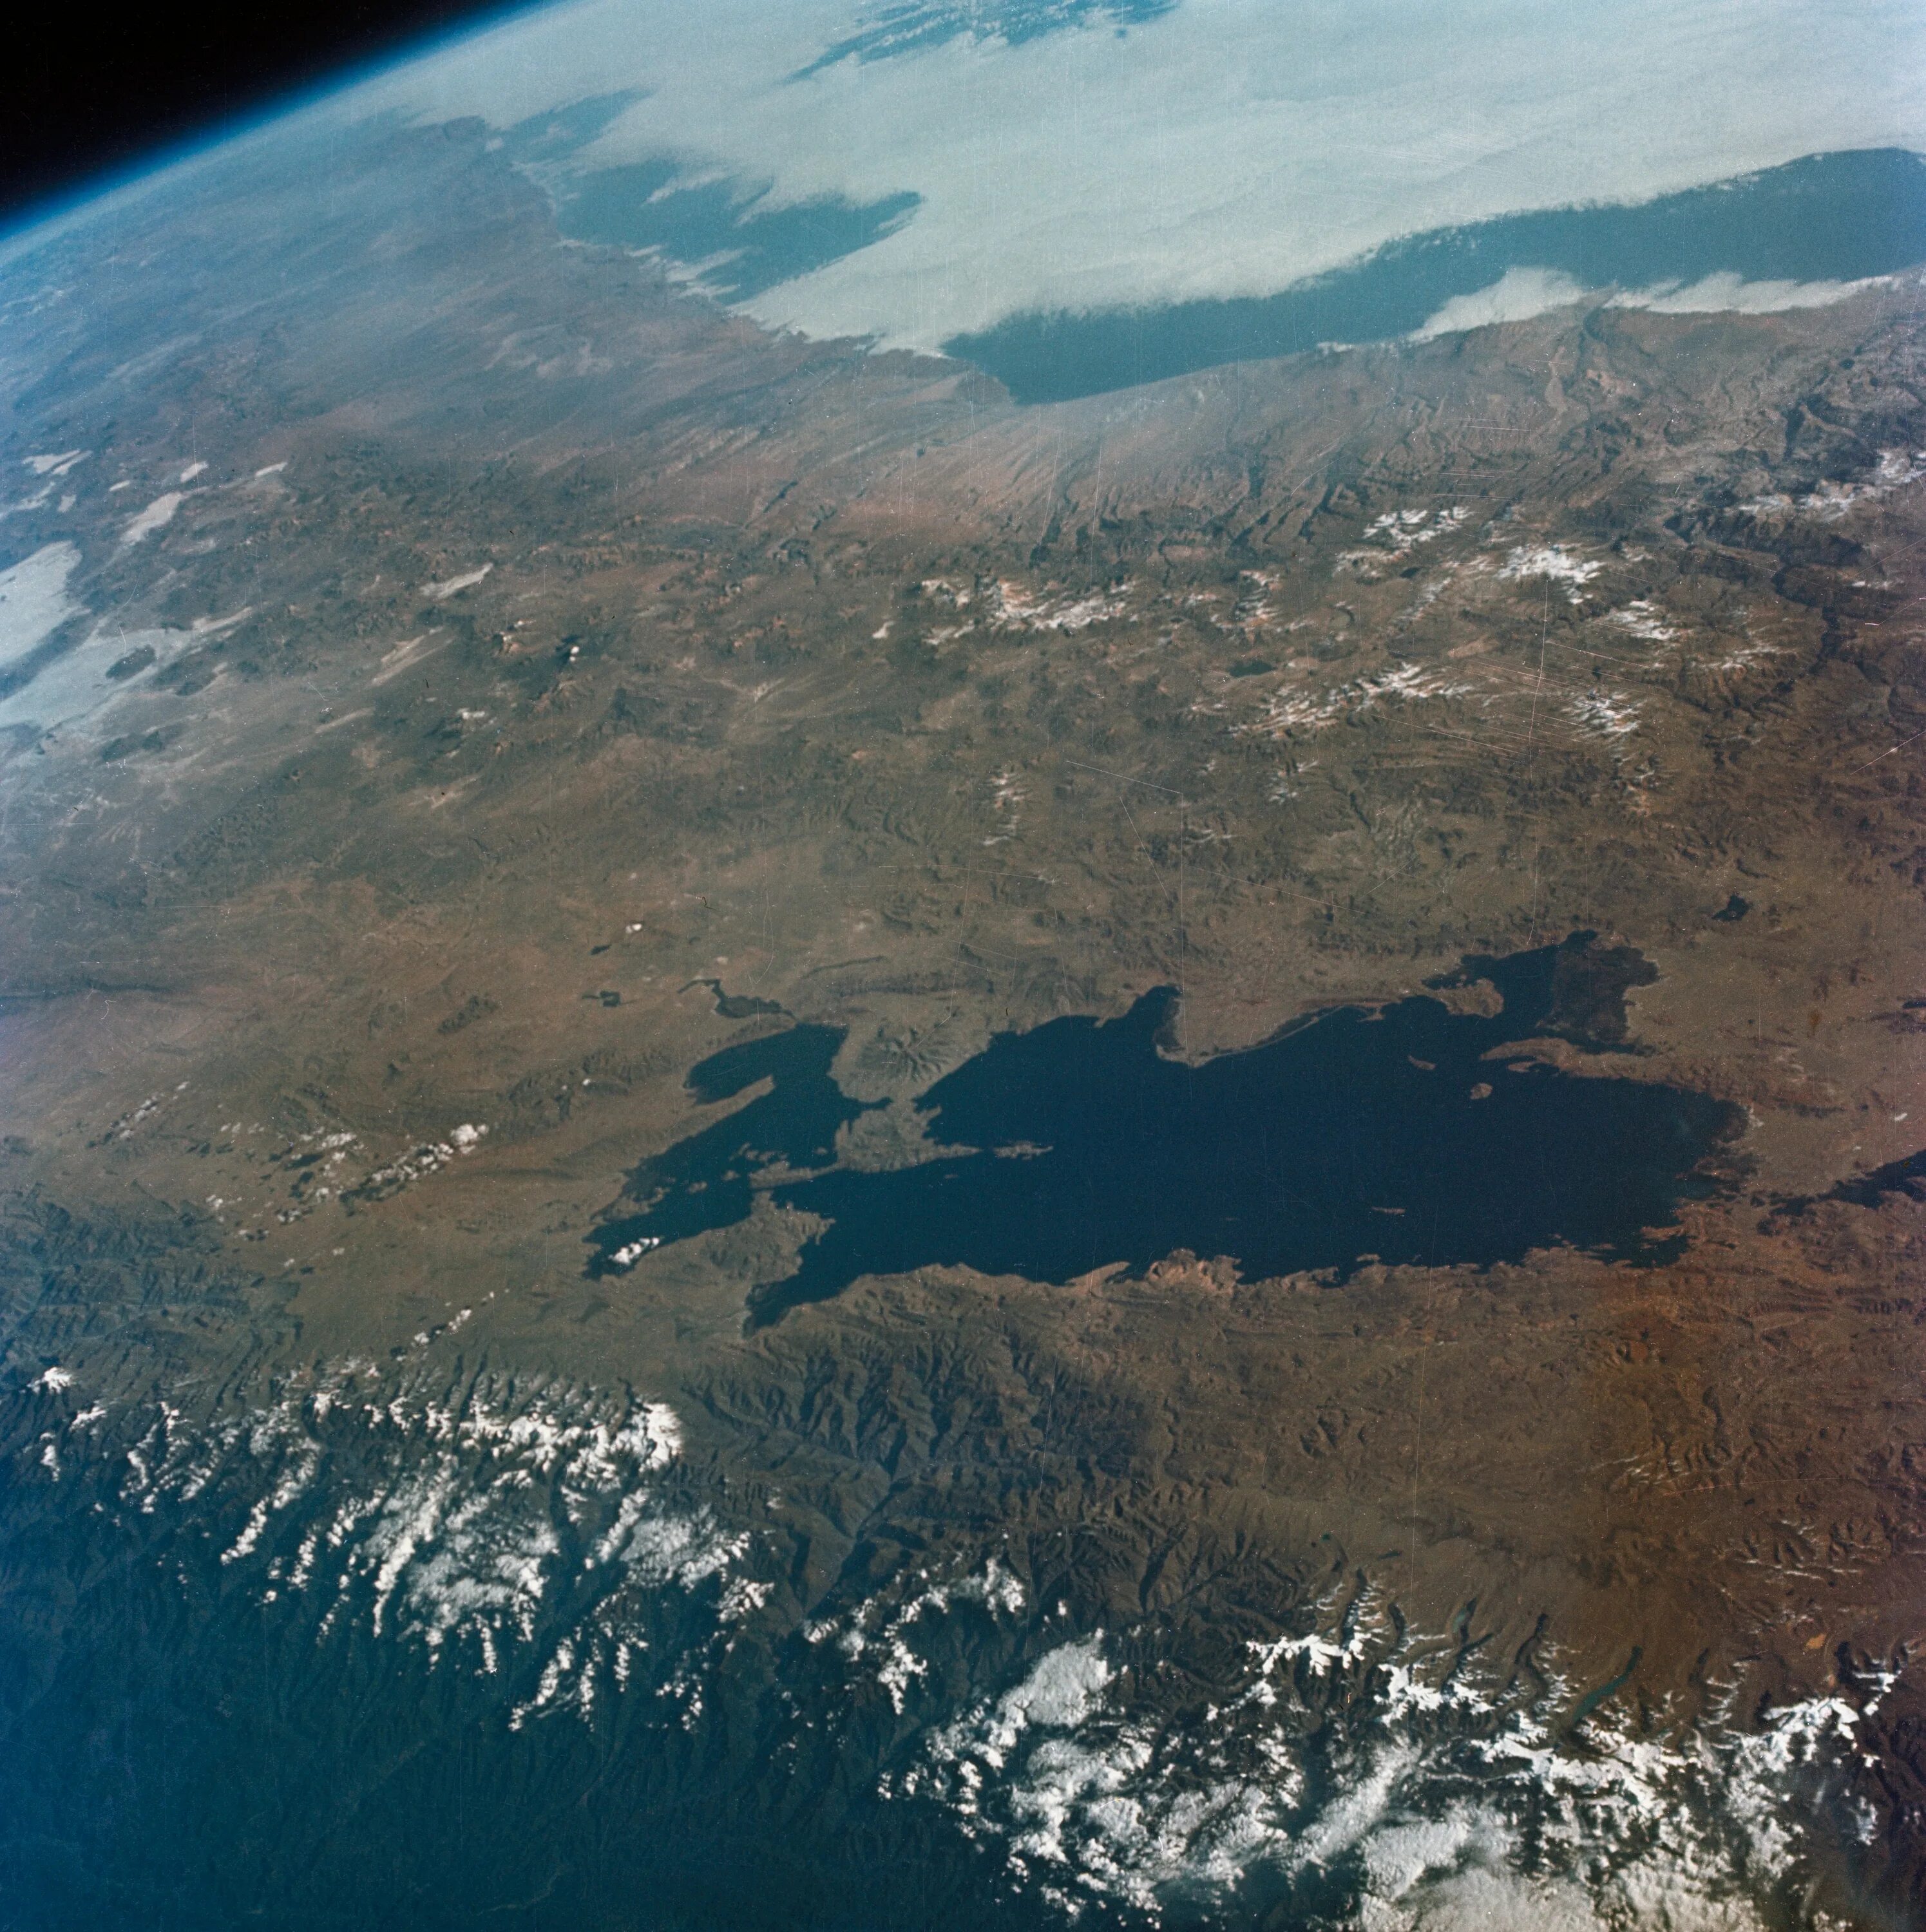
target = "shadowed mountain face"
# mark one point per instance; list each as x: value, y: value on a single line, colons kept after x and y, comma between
x: 1394, y: 1134
x: 455, y: 681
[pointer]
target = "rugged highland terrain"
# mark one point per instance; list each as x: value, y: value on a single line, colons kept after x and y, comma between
x: 456, y: 682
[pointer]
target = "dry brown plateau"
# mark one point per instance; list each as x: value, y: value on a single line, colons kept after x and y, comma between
x: 839, y: 680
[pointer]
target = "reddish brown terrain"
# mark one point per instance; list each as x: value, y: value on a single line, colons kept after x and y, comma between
x: 535, y: 673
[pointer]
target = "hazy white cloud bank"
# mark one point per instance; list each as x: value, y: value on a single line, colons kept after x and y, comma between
x: 1229, y: 147
x: 1516, y: 296
x: 1521, y: 293
x: 1729, y: 292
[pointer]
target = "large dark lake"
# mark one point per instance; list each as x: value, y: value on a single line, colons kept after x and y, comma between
x: 1357, y: 1134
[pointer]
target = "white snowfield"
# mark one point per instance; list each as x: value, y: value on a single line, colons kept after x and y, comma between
x: 1442, y: 1802
x: 448, y: 587
x: 526, y: 1535
x: 436, y: 1524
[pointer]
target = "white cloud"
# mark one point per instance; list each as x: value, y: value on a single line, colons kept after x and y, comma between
x: 1229, y: 147
x: 34, y: 602
x: 1519, y: 294
x: 158, y: 515
x: 1729, y: 292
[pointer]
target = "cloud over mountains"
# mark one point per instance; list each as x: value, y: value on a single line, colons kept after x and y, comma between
x: 1219, y: 148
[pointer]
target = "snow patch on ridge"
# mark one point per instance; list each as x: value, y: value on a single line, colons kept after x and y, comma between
x: 889, y: 1638
x: 494, y: 1520
x: 449, y: 585
x: 1369, y: 1763
x: 1286, y: 711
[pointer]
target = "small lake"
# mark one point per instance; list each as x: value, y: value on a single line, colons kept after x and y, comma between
x: 1358, y: 1133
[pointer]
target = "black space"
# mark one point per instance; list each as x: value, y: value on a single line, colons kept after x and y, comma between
x: 93, y: 94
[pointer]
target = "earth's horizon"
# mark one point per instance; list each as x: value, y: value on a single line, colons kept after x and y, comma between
x: 945, y: 972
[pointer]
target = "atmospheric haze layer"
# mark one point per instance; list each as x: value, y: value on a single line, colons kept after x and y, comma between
x: 961, y: 962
